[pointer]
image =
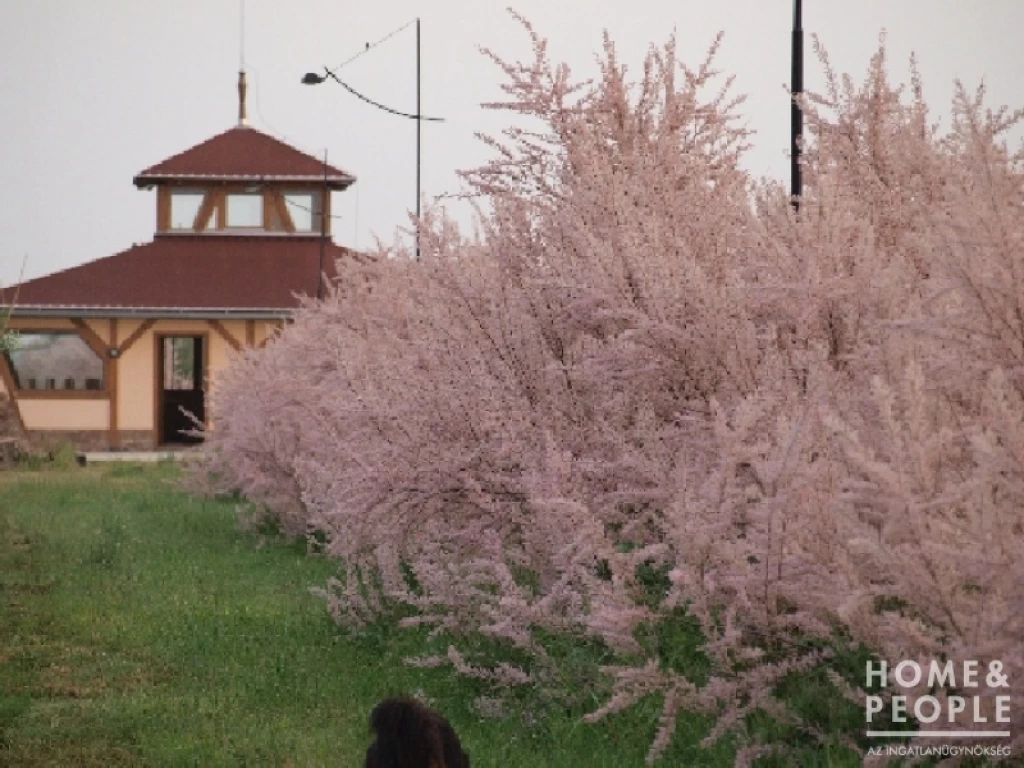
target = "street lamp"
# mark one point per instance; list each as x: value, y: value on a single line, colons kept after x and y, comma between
x: 312, y: 78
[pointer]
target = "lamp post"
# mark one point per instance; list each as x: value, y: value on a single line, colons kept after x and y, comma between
x: 796, y: 117
x: 312, y: 78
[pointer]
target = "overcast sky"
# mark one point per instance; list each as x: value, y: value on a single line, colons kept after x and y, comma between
x: 94, y: 91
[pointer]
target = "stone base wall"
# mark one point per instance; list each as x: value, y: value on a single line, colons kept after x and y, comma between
x: 9, y: 424
x: 47, y: 440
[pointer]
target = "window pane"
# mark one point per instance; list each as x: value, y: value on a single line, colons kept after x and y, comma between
x: 179, y: 363
x: 245, y: 210
x: 301, y: 206
x: 184, y: 207
x: 54, y: 361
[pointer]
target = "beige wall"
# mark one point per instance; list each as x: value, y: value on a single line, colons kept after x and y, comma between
x: 265, y: 330
x: 102, y: 328
x: 64, y: 414
x: 135, y: 372
x: 135, y: 379
x: 99, y: 326
x: 28, y: 323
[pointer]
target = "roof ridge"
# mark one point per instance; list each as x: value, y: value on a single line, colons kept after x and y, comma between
x: 270, y: 133
x: 198, y: 144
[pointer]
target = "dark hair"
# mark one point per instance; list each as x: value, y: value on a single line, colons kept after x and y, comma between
x: 408, y: 735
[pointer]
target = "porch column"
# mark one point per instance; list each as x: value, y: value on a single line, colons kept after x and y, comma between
x: 113, y: 355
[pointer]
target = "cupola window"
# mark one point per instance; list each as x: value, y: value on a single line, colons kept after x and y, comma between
x: 184, y: 208
x: 303, y: 207
x: 245, y: 210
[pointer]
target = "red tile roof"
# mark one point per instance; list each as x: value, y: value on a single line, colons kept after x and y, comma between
x: 243, y: 153
x: 187, y: 272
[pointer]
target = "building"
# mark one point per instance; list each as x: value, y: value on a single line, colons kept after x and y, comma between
x: 110, y: 352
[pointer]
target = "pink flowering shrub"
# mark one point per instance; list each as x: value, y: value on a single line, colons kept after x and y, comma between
x: 646, y: 362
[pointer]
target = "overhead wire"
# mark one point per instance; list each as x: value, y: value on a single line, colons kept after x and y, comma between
x: 371, y: 46
x: 314, y: 211
x: 332, y: 74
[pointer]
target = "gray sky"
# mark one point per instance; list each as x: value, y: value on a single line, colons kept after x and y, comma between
x: 95, y: 91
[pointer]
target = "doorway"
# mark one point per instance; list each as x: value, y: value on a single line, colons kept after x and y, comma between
x: 181, y: 378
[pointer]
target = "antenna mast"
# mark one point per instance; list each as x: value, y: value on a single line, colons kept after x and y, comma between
x: 243, y: 116
x: 241, y: 34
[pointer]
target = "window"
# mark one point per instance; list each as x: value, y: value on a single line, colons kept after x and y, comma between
x: 303, y: 207
x: 44, y: 360
x: 184, y: 208
x: 245, y: 210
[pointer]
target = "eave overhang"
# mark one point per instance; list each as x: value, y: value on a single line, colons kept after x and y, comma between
x: 333, y: 182
x: 184, y: 313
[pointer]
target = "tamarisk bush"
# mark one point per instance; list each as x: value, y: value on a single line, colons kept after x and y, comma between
x: 645, y: 361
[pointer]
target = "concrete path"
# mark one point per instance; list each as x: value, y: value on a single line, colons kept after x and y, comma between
x: 143, y: 456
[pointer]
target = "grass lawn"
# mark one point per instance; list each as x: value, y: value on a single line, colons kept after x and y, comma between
x: 141, y: 626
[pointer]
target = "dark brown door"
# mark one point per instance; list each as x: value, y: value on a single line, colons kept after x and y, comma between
x: 181, y: 388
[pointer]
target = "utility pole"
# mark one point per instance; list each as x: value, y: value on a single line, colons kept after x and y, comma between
x: 419, y: 124
x: 796, y: 114
x: 323, y: 232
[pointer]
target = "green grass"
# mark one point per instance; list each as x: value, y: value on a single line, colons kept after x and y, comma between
x: 141, y: 626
